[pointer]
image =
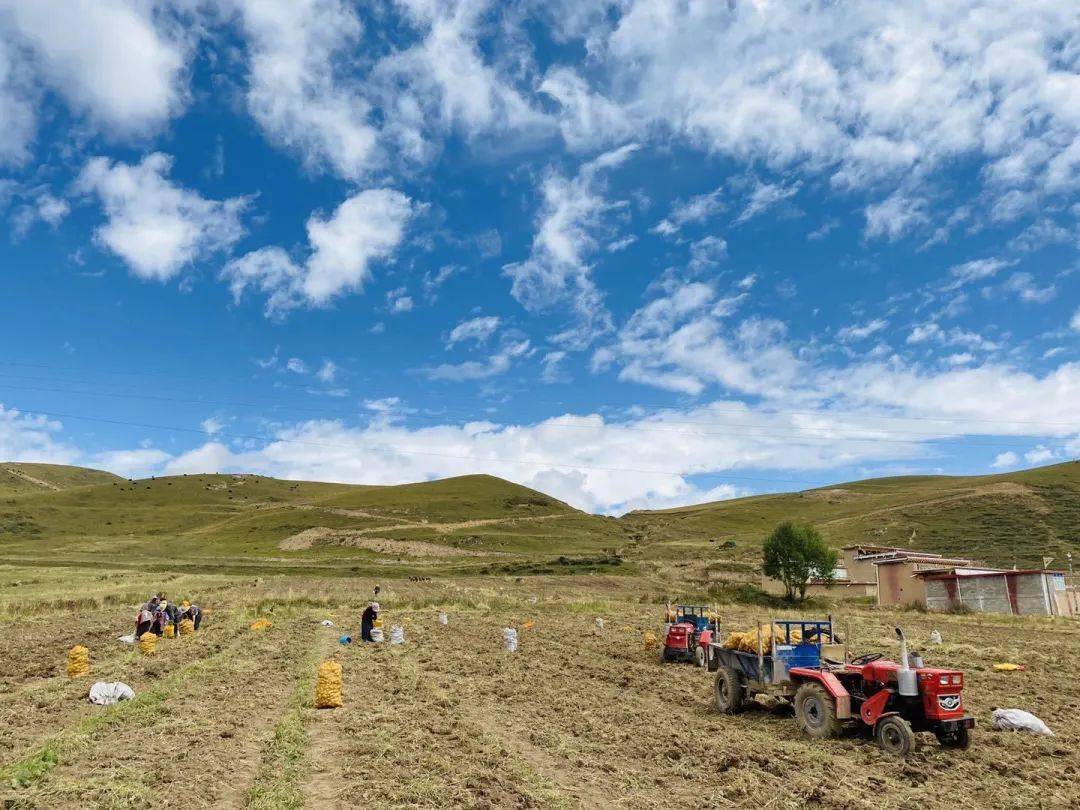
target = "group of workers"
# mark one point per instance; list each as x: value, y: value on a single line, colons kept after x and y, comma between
x: 157, y: 613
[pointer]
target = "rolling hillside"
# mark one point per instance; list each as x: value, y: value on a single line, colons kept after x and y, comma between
x: 249, y: 520
x: 483, y: 524
x: 30, y: 479
x: 999, y: 519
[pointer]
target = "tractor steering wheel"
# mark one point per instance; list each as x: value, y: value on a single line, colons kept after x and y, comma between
x: 869, y: 658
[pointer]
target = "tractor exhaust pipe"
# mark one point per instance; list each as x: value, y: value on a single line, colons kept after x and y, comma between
x: 907, y: 682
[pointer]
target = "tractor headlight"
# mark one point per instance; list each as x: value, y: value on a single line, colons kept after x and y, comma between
x: 956, y: 679
x: 944, y: 680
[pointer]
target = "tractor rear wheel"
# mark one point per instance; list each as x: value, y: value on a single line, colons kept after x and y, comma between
x: 894, y: 736
x: 701, y: 657
x: 728, y: 690
x: 815, y: 711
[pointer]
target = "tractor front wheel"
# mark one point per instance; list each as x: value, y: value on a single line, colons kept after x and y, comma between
x: 894, y: 736
x: 701, y: 657
x: 815, y: 711
x: 961, y: 738
x: 727, y: 690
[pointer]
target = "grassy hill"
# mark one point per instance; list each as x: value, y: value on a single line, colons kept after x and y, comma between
x: 481, y: 524
x: 32, y: 479
x: 999, y: 519
x: 472, y: 522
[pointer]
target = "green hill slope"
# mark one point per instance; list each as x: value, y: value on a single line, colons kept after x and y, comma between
x: 999, y: 519
x: 471, y: 521
x: 17, y: 478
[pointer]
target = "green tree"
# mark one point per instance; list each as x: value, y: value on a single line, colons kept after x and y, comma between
x: 794, y: 554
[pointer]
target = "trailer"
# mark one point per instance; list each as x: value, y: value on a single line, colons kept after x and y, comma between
x: 832, y: 692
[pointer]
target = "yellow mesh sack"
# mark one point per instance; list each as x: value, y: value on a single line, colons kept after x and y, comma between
x: 187, y: 627
x: 147, y: 643
x: 748, y: 641
x: 328, y: 685
x: 650, y: 640
x: 170, y: 631
x: 377, y: 623
x: 78, y: 663
x: 262, y: 624
x: 528, y: 625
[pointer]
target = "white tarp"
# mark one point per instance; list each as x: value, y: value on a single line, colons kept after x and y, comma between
x: 106, y: 694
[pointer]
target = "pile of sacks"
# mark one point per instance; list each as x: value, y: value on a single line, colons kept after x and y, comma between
x: 748, y: 641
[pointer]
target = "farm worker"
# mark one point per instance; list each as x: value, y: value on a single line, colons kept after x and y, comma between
x: 147, y: 616
x: 367, y: 620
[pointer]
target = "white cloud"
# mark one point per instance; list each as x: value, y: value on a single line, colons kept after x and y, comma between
x: 17, y: 108
x: 212, y: 425
x: 498, y: 363
x: 1039, y: 455
x: 296, y: 366
x: 398, y: 300
x: 116, y: 61
x: 299, y: 52
x: 478, y: 329
x: 154, y: 225
x: 895, y: 216
x: 557, y: 269
x: 765, y: 196
x: 684, y: 212
x: 1026, y: 288
x: 1074, y: 322
x: 932, y: 332
x: 552, y: 367
x: 976, y: 270
x: 367, y: 227
x: 1005, y: 460
x: 327, y: 372
x: 32, y: 437
x: 444, y: 78
x: 880, y: 92
x: 139, y: 463
x: 42, y: 207
x: 861, y: 331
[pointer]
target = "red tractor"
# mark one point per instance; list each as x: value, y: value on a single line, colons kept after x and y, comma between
x: 890, y: 700
x: 688, y: 633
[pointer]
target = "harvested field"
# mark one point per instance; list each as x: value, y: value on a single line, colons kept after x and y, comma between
x: 450, y: 719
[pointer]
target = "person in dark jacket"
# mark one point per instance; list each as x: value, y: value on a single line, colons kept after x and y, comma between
x: 367, y: 621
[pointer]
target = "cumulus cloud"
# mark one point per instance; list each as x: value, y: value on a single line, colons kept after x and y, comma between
x: 1005, y: 460
x: 154, y: 225
x: 89, y: 52
x: 369, y: 226
x: 764, y: 196
x: 299, y: 52
x: 885, y: 91
x: 557, y: 270
x: 32, y: 437
x: 444, y: 80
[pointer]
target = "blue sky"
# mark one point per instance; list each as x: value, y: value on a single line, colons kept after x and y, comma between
x: 635, y: 254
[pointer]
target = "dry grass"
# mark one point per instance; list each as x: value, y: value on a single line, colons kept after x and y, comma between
x: 450, y: 719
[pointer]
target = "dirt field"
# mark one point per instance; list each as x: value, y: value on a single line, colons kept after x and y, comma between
x: 573, y: 719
